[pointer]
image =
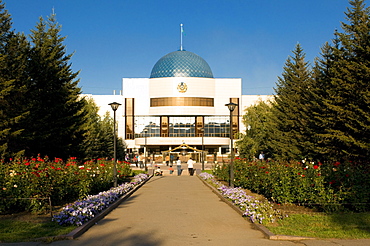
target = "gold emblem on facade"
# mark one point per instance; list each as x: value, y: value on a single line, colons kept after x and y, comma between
x: 182, y: 87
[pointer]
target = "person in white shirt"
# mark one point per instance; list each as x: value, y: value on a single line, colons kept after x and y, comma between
x: 191, y: 166
x: 179, y: 170
x: 140, y: 160
x: 158, y: 172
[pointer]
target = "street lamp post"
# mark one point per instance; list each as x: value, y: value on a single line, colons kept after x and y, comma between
x: 231, y: 106
x: 145, y: 152
x: 202, y: 130
x: 114, y: 106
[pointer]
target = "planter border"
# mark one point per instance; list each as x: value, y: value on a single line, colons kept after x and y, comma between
x: 83, y: 228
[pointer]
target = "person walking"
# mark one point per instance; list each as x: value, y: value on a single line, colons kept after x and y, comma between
x: 179, y: 170
x: 167, y: 159
x: 140, y: 160
x: 191, y: 166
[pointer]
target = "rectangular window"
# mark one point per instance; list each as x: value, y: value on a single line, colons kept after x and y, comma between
x: 129, y: 118
x: 235, y: 115
x: 164, y: 126
x: 199, y: 130
x: 182, y: 101
x: 148, y: 126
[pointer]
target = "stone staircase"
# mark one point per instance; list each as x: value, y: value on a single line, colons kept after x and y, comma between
x: 185, y: 172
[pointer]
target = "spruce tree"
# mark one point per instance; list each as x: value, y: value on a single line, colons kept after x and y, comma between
x: 343, y: 74
x: 14, y: 50
x: 6, y: 85
x: 292, y: 137
x: 56, y: 112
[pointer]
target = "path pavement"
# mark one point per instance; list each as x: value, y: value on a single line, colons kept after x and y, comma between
x: 179, y: 210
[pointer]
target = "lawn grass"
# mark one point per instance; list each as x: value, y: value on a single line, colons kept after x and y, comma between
x: 27, y: 228
x: 320, y: 225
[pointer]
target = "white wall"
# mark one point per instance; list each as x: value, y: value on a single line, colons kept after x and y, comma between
x: 224, y: 90
x: 167, y: 87
x: 137, y: 88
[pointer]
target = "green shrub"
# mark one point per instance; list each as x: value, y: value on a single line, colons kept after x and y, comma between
x: 27, y: 184
x: 329, y: 186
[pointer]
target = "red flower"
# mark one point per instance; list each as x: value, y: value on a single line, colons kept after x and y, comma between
x: 27, y: 163
x: 267, y: 172
x: 102, y: 165
x: 315, y: 167
x: 337, y: 163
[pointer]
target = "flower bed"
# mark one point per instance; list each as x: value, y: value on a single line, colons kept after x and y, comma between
x: 256, y: 210
x: 27, y: 184
x: 84, y: 210
x: 329, y: 187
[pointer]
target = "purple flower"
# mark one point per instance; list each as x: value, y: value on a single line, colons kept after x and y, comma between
x: 253, y: 208
x: 84, y: 210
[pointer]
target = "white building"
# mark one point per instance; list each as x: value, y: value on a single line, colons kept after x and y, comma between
x: 181, y: 104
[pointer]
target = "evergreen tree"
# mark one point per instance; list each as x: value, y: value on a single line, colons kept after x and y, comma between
x: 6, y: 85
x: 343, y: 74
x: 292, y: 138
x: 14, y: 49
x: 54, y: 126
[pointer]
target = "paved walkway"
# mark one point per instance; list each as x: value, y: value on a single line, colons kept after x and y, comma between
x: 173, y: 210
x: 179, y: 210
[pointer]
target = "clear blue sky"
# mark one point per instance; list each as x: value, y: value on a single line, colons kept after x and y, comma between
x: 248, y: 39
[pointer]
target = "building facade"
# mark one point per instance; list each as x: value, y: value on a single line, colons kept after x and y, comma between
x: 179, y: 111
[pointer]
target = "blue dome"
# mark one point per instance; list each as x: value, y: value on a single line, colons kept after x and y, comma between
x: 181, y: 64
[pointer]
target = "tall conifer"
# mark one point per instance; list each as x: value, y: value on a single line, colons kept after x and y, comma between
x: 56, y: 119
x: 293, y: 136
x: 14, y: 50
x: 343, y: 74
